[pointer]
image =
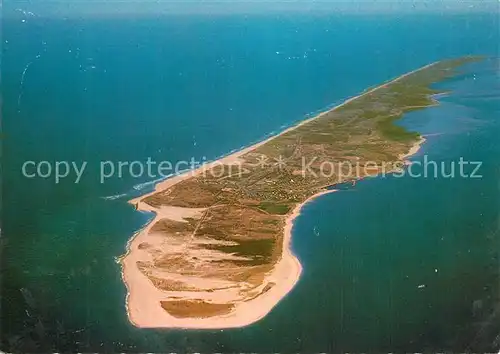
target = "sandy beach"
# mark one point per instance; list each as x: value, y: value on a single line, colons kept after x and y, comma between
x: 413, y: 150
x: 143, y: 297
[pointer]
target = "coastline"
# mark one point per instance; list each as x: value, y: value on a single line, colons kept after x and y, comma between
x: 413, y: 150
x: 285, y: 274
x: 169, y: 182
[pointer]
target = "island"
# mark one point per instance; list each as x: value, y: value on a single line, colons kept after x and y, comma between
x: 217, y: 253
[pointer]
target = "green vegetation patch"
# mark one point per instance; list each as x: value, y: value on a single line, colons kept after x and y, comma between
x: 395, y: 132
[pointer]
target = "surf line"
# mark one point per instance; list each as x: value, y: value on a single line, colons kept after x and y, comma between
x: 21, y: 85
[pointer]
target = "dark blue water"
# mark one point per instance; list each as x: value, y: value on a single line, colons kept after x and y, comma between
x: 181, y: 87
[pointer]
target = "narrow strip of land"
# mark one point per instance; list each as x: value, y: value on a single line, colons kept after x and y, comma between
x: 217, y: 254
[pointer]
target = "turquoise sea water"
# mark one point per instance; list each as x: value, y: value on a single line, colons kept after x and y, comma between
x: 394, y: 264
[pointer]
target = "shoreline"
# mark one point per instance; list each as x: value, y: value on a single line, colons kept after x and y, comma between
x: 285, y: 274
x: 413, y: 150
